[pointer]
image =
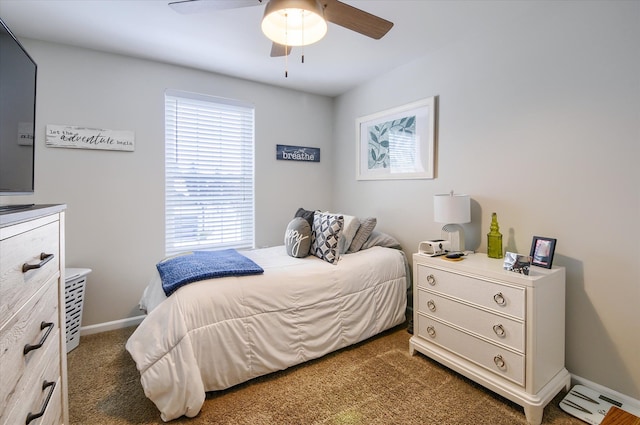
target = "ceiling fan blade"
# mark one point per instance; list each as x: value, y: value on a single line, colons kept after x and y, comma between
x: 197, y: 6
x: 279, y: 50
x: 355, y: 19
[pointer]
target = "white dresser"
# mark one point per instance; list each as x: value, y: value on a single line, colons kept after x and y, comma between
x: 502, y: 329
x: 33, y: 362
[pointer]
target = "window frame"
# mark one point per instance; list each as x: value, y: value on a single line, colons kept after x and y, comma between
x: 209, y: 173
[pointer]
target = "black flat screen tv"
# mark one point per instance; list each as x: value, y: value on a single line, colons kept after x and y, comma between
x: 18, y: 74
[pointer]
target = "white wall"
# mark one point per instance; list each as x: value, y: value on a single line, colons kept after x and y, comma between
x: 539, y: 121
x: 115, y: 200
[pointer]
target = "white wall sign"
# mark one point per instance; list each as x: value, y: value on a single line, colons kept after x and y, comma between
x: 66, y: 136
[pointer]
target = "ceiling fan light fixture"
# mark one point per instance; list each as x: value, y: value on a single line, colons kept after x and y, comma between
x: 294, y: 22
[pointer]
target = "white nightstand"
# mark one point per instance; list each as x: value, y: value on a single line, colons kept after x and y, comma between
x: 502, y: 329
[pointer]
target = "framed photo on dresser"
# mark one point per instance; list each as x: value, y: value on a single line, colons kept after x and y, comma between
x: 542, y: 250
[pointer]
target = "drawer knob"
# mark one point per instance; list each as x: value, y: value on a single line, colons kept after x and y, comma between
x: 45, y: 385
x: 44, y: 259
x: 432, y: 305
x: 499, y: 330
x: 43, y: 325
x: 431, y: 280
x: 431, y: 331
x: 499, y: 299
x: 499, y: 361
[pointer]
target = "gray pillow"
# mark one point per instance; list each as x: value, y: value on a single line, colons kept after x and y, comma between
x: 381, y: 239
x: 364, y: 231
x: 297, y: 238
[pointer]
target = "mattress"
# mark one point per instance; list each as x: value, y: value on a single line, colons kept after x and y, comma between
x: 213, y: 334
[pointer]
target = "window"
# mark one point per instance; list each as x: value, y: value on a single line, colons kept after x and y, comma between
x: 209, y: 173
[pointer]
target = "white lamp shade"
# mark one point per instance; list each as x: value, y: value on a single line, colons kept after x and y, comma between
x: 294, y: 22
x: 451, y: 208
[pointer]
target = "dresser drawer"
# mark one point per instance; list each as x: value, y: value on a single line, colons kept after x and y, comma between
x: 53, y: 412
x: 16, y: 285
x: 485, y: 293
x: 499, y: 329
x: 498, y: 360
x: 18, y: 369
x: 32, y: 394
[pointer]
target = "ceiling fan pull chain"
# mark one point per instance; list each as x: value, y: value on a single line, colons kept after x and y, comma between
x: 302, y: 35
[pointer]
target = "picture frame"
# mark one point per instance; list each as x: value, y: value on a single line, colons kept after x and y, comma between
x: 542, y: 251
x: 397, y: 143
x: 517, y: 263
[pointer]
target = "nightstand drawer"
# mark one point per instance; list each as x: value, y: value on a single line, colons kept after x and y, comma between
x: 37, y: 247
x: 492, y: 295
x: 496, y: 359
x: 499, y: 329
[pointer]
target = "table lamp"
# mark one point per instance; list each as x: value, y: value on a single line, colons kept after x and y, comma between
x: 452, y: 209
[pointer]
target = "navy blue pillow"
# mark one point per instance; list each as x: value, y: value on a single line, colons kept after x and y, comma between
x: 306, y: 214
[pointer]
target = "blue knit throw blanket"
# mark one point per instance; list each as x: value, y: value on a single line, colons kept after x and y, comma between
x: 200, y: 265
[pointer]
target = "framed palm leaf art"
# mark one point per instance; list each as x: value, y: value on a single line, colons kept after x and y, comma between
x: 397, y: 143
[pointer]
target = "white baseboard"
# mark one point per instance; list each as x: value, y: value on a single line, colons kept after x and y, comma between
x: 626, y: 400
x: 109, y: 326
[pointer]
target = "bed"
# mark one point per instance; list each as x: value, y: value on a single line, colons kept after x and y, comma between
x: 212, y: 334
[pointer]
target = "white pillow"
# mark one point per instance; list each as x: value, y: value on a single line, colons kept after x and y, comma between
x: 351, y: 225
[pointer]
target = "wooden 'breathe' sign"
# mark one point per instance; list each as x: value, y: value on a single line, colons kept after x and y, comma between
x: 297, y: 153
x: 66, y: 136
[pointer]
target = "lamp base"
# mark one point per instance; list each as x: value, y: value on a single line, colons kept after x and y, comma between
x: 454, y: 233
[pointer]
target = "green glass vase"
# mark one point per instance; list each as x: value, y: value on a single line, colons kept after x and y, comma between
x: 494, y: 239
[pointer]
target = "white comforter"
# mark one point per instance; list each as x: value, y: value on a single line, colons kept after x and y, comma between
x: 213, y: 334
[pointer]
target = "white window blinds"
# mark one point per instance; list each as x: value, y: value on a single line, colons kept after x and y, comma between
x: 209, y: 173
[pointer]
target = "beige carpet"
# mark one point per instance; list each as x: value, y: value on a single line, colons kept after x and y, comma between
x: 374, y: 382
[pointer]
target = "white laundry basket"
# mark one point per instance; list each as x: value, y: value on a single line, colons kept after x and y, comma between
x: 75, y: 282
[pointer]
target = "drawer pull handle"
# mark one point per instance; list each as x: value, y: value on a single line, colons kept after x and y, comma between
x: 431, y: 280
x: 431, y: 305
x: 499, y: 361
x: 45, y: 385
x: 499, y: 330
x: 431, y: 331
x: 43, y: 325
x: 499, y: 299
x: 44, y: 259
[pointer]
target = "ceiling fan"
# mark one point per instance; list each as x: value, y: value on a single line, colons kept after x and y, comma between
x: 296, y: 22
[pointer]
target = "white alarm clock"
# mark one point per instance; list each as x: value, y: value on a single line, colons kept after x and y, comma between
x: 434, y: 247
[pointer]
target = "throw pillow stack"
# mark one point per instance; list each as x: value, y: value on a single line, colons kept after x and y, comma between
x: 326, y: 235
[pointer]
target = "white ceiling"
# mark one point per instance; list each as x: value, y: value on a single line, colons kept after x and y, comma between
x: 231, y: 42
